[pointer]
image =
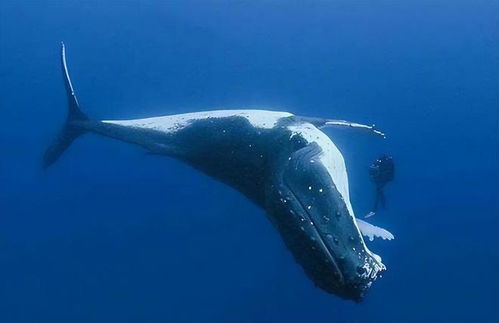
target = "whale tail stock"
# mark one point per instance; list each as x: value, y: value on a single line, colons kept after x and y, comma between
x: 71, y: 129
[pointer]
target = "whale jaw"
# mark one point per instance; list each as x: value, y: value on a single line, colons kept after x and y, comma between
x: 318, y: 227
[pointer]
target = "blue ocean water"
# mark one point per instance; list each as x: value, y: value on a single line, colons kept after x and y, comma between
x: 112, y: 234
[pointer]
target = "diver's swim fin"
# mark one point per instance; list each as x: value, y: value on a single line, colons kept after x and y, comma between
x: 370, y: 214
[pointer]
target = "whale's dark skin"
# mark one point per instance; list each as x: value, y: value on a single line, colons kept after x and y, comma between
x: 276, y: 169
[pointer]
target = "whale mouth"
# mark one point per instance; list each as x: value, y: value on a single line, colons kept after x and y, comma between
x: 317, y: 223
x: 342, y: 263
x: 323, y: 235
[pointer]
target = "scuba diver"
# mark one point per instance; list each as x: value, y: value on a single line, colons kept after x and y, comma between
x: 381, y: 172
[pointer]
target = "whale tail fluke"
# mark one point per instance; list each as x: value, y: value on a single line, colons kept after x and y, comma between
x: 72, y: 127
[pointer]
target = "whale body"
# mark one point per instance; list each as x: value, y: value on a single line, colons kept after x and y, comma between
x: 282, y: 162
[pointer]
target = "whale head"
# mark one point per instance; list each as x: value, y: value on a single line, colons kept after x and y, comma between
x: 315, y: 218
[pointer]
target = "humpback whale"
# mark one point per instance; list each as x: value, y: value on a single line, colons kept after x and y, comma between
x: 282, y: 162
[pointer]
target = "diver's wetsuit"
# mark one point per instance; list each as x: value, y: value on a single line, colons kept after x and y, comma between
x: 381, y: 172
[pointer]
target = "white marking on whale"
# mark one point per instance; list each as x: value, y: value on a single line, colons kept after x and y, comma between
x: 257, y: 118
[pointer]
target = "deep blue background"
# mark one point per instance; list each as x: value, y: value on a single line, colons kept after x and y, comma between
x: 110, y: 233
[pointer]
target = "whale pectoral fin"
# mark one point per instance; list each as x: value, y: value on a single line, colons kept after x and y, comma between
x: 348, y: 124
x: 320, y: 123
x: 372, y: 231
